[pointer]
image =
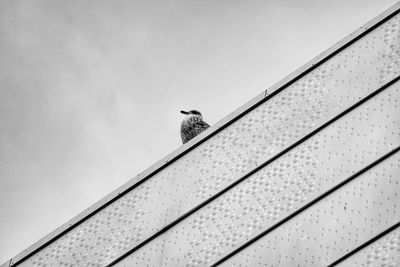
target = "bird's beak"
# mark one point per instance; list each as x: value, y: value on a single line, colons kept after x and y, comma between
x: 184, y: 112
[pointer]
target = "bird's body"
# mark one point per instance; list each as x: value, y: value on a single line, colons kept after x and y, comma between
x: 192, y: 125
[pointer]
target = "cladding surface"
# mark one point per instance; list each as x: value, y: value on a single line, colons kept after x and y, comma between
x: 385, y: 252
x: 341, y: 222
x: 335, y: 85
x: 282, y: 187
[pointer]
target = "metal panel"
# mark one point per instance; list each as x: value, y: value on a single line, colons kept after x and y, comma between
x: 267, y: 129
x: 326, y: 231
x: 384, y: 252
x: 282, y: 187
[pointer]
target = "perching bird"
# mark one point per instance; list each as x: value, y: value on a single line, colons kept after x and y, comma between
x: 192, y: 125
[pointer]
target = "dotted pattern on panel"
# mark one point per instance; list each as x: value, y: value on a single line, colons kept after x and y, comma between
x: 392, y: 50
x: 285, y: 185
x: 329, y: 229
x: 260, y: 134
x: 66, y: 250
x: 384, y: 252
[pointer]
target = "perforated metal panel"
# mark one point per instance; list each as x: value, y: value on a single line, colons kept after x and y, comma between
x: 282, y: 187
x: 329, y: 229
x: 384, y: 252
x: 348, y: 75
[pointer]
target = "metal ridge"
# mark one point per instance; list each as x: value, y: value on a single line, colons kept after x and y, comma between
x: 216, y: 128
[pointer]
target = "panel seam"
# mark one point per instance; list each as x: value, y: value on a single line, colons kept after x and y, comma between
x: 372, y: 240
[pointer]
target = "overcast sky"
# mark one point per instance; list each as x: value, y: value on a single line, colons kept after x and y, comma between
x: 90, y: 91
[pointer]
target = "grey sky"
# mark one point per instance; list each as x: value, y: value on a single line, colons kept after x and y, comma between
x: 90, y: 91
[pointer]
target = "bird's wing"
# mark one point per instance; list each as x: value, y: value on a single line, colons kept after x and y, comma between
x: 201, y: 125
x: 188, y: 132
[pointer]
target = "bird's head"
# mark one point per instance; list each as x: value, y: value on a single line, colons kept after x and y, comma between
x: 192, y: 113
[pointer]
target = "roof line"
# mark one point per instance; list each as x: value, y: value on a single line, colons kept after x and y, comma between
x: 213, y: 130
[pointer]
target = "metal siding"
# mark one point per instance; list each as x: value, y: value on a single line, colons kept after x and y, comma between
x: 282, y: 187
x: 260, y: 134
x: 329, y: 229
x: 383, y: 252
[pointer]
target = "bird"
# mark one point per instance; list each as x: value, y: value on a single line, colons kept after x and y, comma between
x: 192, y: 125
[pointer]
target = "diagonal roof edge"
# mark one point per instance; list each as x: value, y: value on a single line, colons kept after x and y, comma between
x: 213, y: 130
